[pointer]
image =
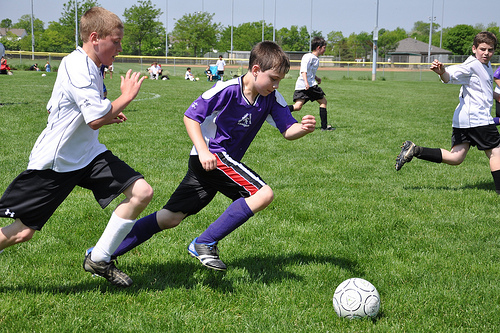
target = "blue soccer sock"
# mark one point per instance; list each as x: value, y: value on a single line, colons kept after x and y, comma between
x: 235, y: 215
x: 143, y: 230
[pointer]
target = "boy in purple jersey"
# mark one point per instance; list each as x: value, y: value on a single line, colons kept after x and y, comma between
x: 222, y: 123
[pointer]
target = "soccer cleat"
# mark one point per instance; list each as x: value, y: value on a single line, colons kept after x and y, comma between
x: 207, y: 254
x: 107, y: 270
x: 406, y: 154
x: 328, y: 128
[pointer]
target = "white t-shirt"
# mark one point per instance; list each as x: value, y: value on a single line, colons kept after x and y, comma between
x: 68, y: 143
x: 220, y: 64
x: 154, y: 69
x: 476, y: 93
x: 309, y: 64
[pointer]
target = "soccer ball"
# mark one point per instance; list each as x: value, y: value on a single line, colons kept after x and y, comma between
x: 356, y: 298
x: 197, y: 79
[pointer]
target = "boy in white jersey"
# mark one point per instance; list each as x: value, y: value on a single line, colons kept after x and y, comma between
x: 307, y: 86
x: 222, y: 123
x: 473, y: 124
x: 68, y: 153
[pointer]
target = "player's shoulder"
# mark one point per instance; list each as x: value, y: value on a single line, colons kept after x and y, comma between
x: 280, y: 99
x: 78, y: 68
x: 222, y: 87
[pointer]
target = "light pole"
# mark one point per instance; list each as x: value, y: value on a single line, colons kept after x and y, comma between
x: 263, y: 18
x: 310, y: 34
x: 32, y: 35
x: 232, y: 24
x: 432, y: 18
x: 76, y: 24
x: 166, y: 31
x: 442, y: 25
x: 274, y: 22
x: 375, y: 51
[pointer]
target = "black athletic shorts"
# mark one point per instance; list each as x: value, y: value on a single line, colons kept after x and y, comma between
x: 34, y: 195
x: 312, y: 94
x: 484, y: 137
x: 232, y: 178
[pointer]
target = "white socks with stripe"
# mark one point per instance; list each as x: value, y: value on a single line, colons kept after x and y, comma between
x: 115, y: 232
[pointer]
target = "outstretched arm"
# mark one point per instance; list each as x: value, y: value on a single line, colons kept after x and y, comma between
x: 129, y: 87
x: 438, y: 68
x: 298, y: 130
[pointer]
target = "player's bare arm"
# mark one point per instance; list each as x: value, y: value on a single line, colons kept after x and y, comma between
x: 207, y: 159
x: 298, y: 130
x: 438, y: 68
x: 130, y: 86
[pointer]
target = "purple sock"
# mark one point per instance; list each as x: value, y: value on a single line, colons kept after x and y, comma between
x: 235, y: 215
x: 143, y: 230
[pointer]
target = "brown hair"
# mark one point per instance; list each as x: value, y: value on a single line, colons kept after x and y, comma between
x: 269, y: 55
x: 486, y: 37
x: 99, y: 20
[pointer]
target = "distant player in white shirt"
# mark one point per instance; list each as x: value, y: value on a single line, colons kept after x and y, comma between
x: 68, y: 152
x: 307, y: 86
x: 473, y: 124
x: 221, y: 65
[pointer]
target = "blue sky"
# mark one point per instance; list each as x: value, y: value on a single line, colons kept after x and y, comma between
x: 327, y: 15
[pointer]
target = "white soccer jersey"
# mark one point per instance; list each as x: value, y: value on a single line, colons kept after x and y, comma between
x: 476, y: 93
x: 68, y: 143
x: 309, y: 64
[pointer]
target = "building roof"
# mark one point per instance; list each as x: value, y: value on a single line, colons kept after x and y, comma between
x: 18, y: 32
x: 415, y: 47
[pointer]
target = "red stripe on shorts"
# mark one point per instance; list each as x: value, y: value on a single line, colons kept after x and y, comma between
x: 235, y: 176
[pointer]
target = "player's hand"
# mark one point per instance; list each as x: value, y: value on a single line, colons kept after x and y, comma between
x: 131, y: 83
x: 207, y: 160
x: 437, y: 67
x: 308, y: 123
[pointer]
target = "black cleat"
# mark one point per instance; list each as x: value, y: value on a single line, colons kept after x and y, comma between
x: 406, y: 154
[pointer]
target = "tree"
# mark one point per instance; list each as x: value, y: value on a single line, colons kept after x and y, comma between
x: 142, y: 28
x: 68, y: 14
x: 459, y: 39
x: 194, y: 34
x: 245, y: 36
x: 388, y: 40
x: 293, y: 39
x: 6, y: 23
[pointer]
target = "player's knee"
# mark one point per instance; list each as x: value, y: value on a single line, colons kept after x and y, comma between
x: 167, y: 219
x: 142, y: 193
x: 267, y: 195
x: 25, y: 235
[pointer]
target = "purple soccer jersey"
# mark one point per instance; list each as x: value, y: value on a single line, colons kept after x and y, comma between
x: 230, y: 123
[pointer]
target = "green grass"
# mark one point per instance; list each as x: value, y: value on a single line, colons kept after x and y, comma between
x: 427, y: 236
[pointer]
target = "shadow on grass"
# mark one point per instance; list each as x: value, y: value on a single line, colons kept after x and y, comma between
x: 484, y: 186
x: 271, y: 269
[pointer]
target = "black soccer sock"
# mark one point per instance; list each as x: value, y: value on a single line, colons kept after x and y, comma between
x: 324, y: 118
x: 496, y: 180
x: 429, y: 154
x: 291, y: 108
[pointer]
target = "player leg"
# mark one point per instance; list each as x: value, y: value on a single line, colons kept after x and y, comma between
x: 188, y: 199
x: 323, y: 115
x: 15, y: 233
x: 250, y: 195
x: 297, y: 105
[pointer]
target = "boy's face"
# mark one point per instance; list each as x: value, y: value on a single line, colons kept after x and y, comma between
x: 321, y: 49
x: 268, y: 81
x: 483, y: 52
x: 109, y: 47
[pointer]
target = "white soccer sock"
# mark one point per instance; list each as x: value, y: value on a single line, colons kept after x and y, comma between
x: 115, y: 232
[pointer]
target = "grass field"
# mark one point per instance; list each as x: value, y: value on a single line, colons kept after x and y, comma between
x: 427, y: 236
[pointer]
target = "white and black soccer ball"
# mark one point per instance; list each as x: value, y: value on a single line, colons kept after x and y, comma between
x: 356, y: 298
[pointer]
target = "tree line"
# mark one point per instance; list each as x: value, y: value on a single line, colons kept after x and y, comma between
x: 196, y: 34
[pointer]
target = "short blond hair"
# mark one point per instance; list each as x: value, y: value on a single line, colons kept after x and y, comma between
x: 99, y: 20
